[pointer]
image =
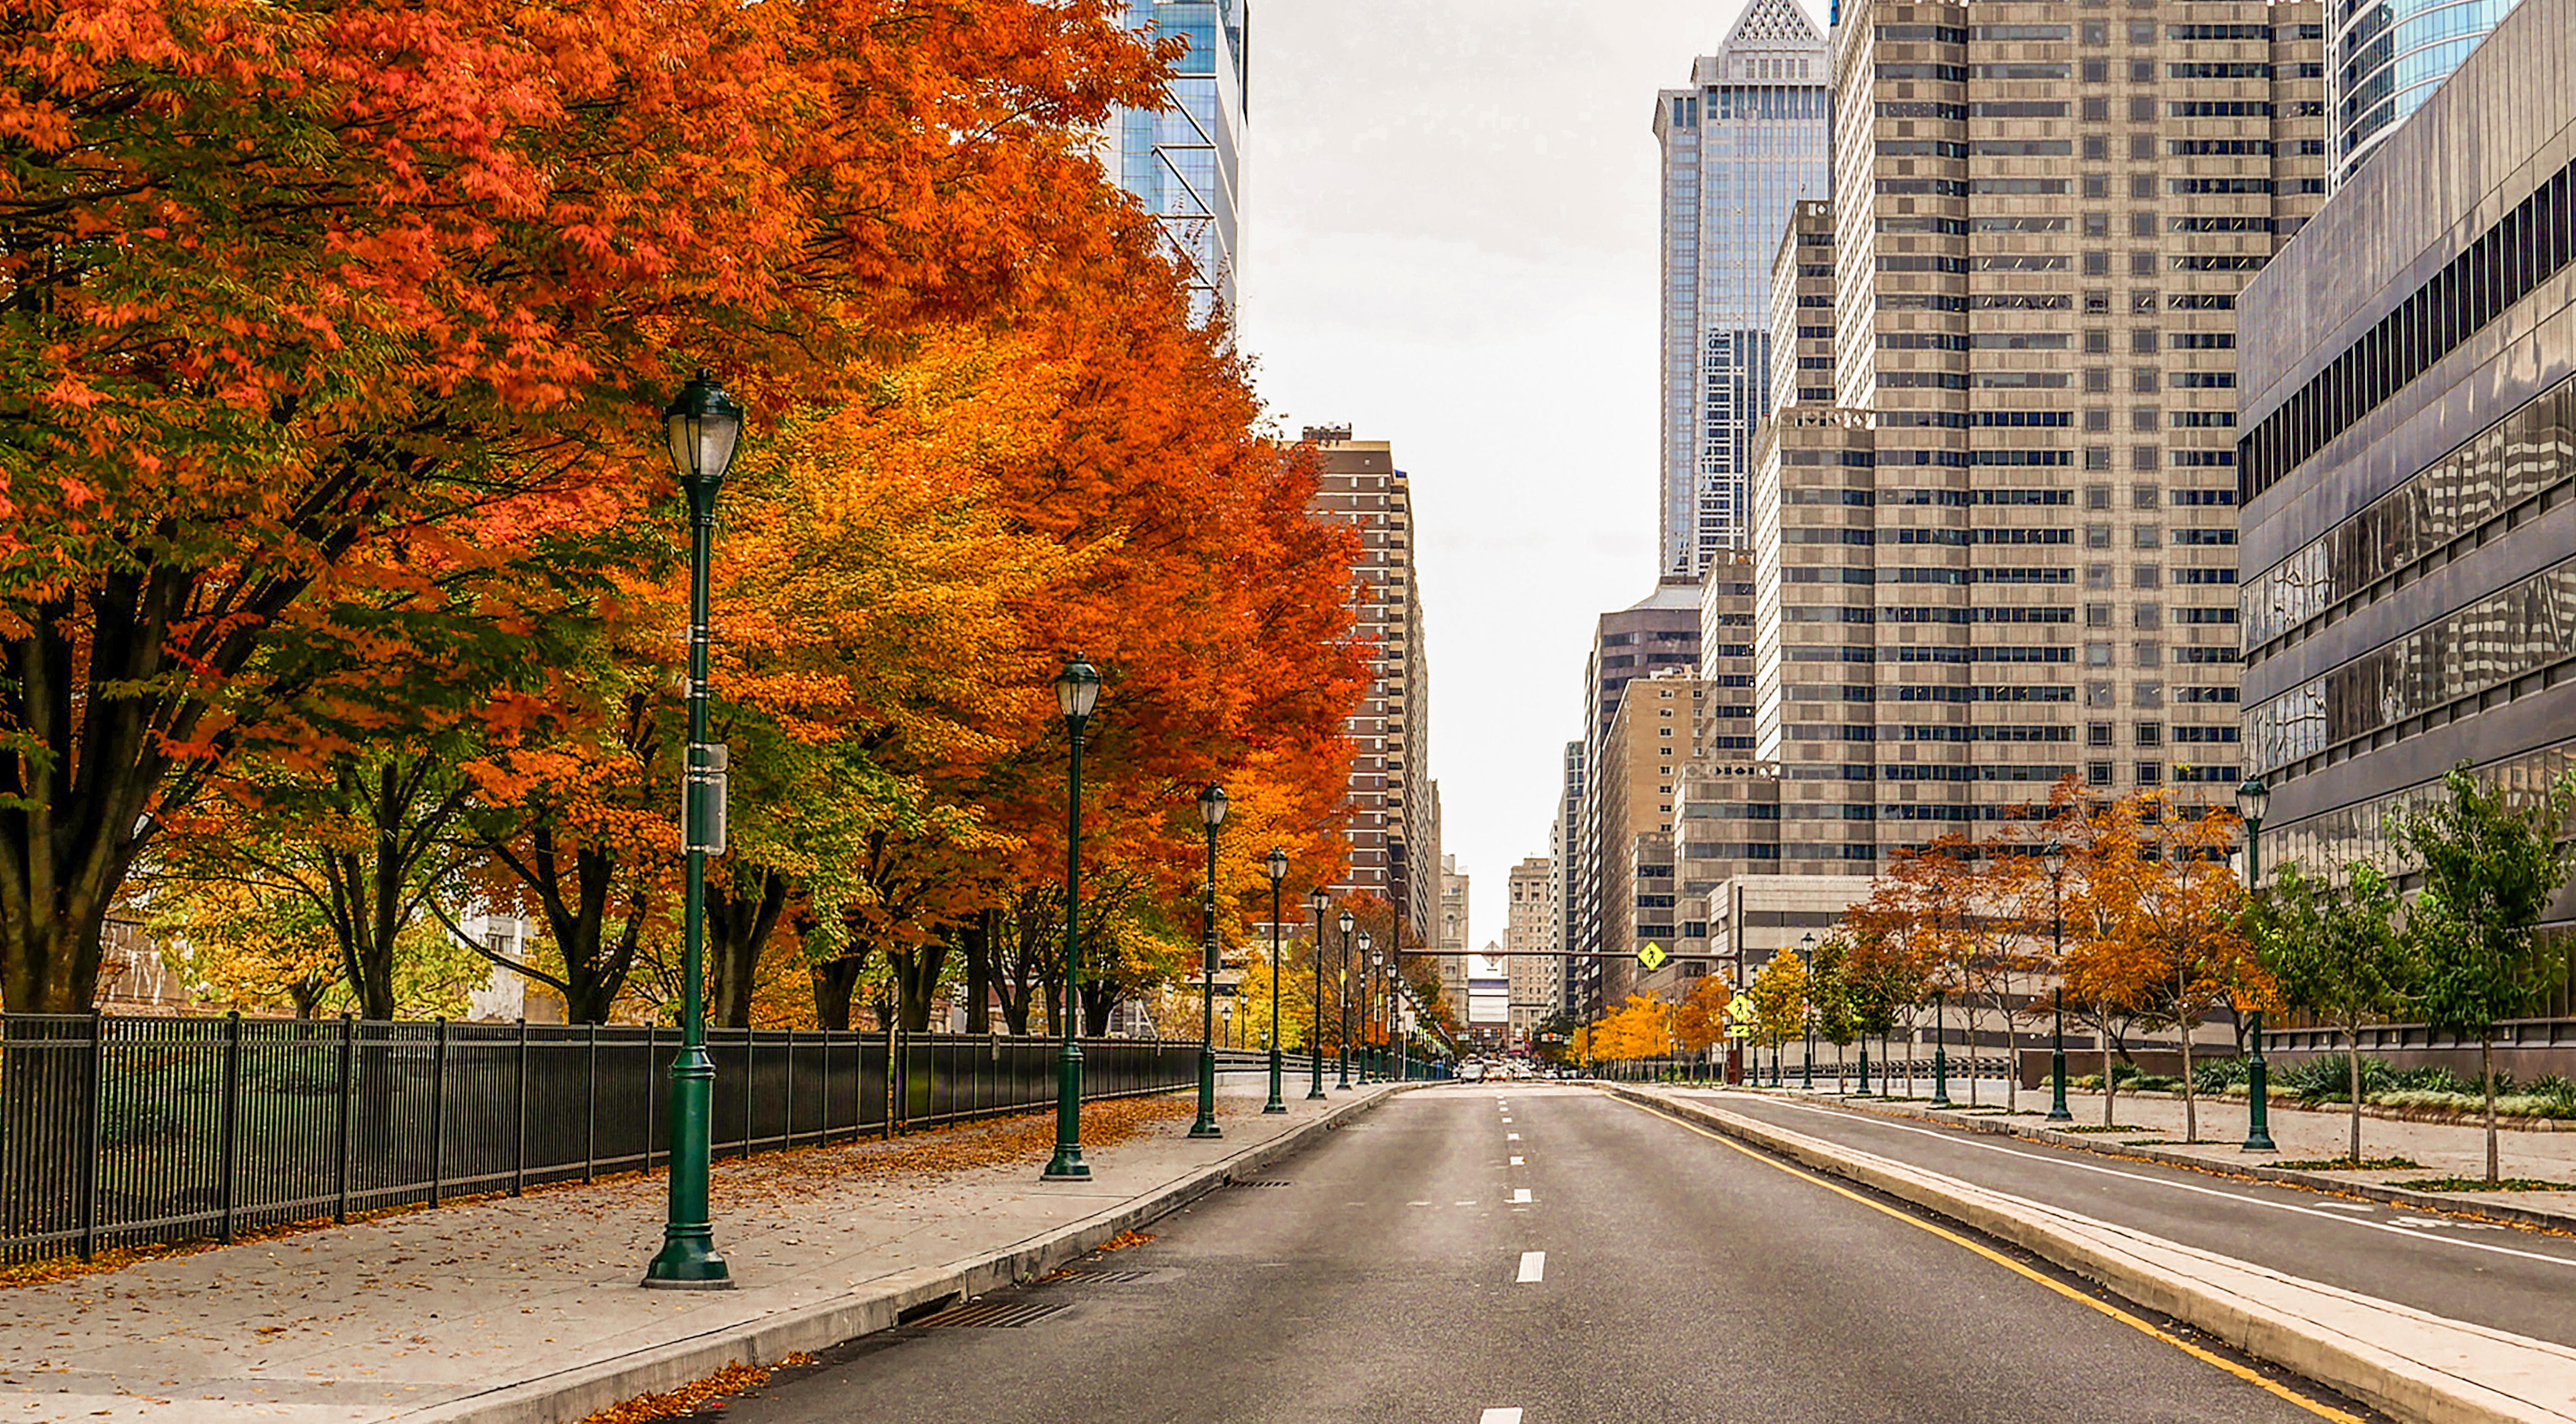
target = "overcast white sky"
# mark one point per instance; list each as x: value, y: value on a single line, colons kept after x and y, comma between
x: 1449, y: 243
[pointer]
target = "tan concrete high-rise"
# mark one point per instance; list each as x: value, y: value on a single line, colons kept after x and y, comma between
x: 1451, y: 941
x: 1537, y: 976
x: 1393, y: 804
x: 2004, y: 553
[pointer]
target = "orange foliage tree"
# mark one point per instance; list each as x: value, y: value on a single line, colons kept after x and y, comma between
x: 324, y: 324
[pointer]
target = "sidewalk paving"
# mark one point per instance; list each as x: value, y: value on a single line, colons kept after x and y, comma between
x: 439, y: 1314
x: 2320, y: 1134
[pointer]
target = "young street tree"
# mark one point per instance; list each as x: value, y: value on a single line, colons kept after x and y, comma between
x: 2337, y: 950
x: 2491, y: 869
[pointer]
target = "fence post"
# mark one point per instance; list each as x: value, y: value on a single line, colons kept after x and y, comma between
x: 823, y: 1137
x: 749, y: 1097
x: 590, y: 1109
x: 519, y: 1155
x: 788, y: 1129
x: 97, y: 1115
x: 232, y: 1117
x: 438, y: 1114
x: 653, y: 1098
x: 348, y: 1093
x: 890, y: 1075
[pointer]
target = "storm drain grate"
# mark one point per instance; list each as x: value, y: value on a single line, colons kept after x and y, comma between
x: 1100, y: 1278
x: 1261, y: 1184
x: 989, y: 1315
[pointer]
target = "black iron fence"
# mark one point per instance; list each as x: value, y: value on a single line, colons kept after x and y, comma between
x: 122, y: 1132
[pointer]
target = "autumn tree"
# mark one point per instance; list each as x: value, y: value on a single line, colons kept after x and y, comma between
x: 1780, y: 1004
x: 1699, y: 1021
x: 316, y: 317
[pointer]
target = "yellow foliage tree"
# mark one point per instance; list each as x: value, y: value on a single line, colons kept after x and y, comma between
x: 1779, y: 995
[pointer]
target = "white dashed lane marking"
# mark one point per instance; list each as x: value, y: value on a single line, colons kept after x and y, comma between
x: 1499, y: 1416
x: 1533, y: 1268
x: 1520, y: 1161
x: 1520, y: 1196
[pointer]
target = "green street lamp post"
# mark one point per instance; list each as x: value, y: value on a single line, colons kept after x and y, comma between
x: 1227, y: 1035
x: 1315, y: 1012
x: 1277, y: 865
x: 1212, y: 809
x: 1077, y: 691
x: 2055, y: 859
x: 1377, y: 976
x: 2251, y: 797
x: 1940, y: 1048
x: 1342, y: 994
x: 1368, y: 1046
x: 702, y: 426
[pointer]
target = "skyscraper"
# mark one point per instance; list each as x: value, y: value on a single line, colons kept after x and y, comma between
x: 1184, y: 162
x: 1745, y: 140
x: 2006, y: 552
x: 2387, y: 59
x: 1394, y: 805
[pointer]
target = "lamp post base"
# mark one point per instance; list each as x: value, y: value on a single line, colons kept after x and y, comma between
x: 2258, y: 1123
x: 1274, y: 1105
x: 1206, y: 1124
x: 1067, y: 1166
x: 688, y: 1263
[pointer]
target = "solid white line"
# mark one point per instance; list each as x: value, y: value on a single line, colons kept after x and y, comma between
x: 1533, y: 1268
x: 2398, y: 1228
x: 1520, y: 1195
x: 1499, y: 1416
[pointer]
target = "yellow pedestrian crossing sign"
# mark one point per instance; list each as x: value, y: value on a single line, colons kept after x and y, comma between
x: 1653, y: 957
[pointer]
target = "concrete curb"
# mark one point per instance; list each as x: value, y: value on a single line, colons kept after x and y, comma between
x: 579, y: 1391
x: 2381, y: 1375
x: 2253, y: 1168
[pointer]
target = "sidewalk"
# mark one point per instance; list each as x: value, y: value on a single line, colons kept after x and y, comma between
x: 527, y: 1309
x: 2315, y: 1135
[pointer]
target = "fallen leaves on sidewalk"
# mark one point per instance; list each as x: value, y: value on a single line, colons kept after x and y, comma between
x: 916, y: 1159
x: 733, y: 1379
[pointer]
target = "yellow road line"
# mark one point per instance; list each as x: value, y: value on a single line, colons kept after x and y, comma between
x: 2252, y: 1377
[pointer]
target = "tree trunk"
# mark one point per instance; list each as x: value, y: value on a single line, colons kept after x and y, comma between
x: 2110, y: 1085
x: 2352, y: 1066
x: 1099, y: 1001
x: 738, y: 926
x: 836, y: 981
x: 978, y: 942
x: 916, y: 978
x: 2190, y: 1099
x: 2486, y: 1072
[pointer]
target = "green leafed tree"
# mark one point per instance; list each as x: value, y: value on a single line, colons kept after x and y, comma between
x: 2491, y: 867
x: 2337, y: 950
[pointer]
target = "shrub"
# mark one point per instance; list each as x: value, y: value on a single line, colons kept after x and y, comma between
x: 2217, y: 1075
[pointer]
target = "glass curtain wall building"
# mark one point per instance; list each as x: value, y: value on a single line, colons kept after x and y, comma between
x: 1184, y: 161
x: 2409, y: 468
x: 1741, y: 145
x: 2388, y: 58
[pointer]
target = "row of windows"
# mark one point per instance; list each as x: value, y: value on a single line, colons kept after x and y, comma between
x: 2502, y: 636
x: 2514, y: 460
x: 2530, y: 244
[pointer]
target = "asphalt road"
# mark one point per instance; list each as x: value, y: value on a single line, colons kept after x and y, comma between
x: 1676, y: 1277
x: 2500, y: 1276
